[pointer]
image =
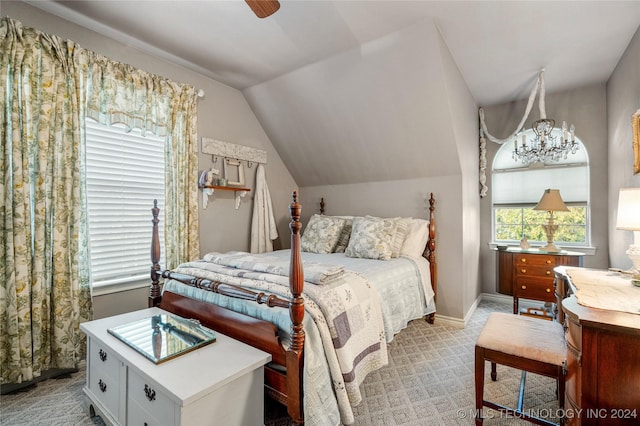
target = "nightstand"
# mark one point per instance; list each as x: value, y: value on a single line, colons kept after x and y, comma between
x: 528, y: 274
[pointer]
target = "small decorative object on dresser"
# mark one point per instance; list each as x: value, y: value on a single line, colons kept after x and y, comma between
x: 221, y: 383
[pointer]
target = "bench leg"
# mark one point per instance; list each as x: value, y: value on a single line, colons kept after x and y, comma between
x: 479, y: 382
x: 494, y: 373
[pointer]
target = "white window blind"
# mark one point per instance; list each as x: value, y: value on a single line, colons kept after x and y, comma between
x: 125, y: 173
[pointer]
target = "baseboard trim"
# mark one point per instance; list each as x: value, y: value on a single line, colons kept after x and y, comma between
x: 496, y: 297
x: 451, y: 321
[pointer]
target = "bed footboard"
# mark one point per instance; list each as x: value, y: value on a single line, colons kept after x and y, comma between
x: 284, y: 375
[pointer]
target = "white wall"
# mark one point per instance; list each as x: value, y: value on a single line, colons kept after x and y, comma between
x: 444, y: 154
x: 623, y: 99
x: 223, y: 114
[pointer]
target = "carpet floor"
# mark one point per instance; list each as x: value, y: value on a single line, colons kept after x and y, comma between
x: 429, y: 381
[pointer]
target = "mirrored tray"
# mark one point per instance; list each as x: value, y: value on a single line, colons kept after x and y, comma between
x: 165, y: 336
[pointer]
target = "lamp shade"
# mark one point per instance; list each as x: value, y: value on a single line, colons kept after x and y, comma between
x: 551, y: 201
x: 629, y: 209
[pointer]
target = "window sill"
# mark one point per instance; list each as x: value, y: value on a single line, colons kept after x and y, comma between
x: 588, y: 251
x: 103, y: 289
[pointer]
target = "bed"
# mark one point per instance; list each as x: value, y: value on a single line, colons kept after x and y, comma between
x: 324, y: 309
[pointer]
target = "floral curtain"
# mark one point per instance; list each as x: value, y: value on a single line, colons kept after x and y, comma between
x: 120, y: 93
x: 49, y: 86
x: 45, y: 292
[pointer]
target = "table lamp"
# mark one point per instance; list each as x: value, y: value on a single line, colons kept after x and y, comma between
x: 551, y: 202
x: 629, y: 220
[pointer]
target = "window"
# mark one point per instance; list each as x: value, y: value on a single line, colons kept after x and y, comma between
x: 125, y: 173
x: 518, y: 188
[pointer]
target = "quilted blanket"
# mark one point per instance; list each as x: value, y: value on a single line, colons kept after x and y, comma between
x: 314, y: 272
x: 345, y: 308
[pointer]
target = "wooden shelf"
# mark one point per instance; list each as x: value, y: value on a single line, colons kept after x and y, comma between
x: 226, y: 188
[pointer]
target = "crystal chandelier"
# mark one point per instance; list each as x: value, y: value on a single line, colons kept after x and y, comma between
x: 545, y: 146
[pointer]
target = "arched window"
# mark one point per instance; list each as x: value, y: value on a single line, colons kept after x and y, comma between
x: 517, y: 188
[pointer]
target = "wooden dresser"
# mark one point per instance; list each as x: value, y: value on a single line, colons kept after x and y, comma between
x: 528, y: 274
x: 603, y: 360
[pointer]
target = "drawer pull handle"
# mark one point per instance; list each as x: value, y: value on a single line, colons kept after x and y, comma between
x: 103, y: 355
x: 524, y: 287
x: 548, y: 262
x: 548, y: 290
x: 150, y: 393
x: 524, y: 271
x: 523, y: 260
x: 102, y: 385
x: 548, y: 272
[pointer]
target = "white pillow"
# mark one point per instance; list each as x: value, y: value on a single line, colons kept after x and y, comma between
x: 402, y: 230
x: 371, y: 238
x: 416, y: 239
x: 321, y: 234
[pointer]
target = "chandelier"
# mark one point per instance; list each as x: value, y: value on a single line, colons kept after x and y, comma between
x: 545, y: 146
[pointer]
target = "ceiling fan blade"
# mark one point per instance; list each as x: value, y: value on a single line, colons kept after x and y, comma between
x: 263, y: 8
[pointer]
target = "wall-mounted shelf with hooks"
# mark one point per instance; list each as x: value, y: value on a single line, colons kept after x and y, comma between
x: 208, y: 190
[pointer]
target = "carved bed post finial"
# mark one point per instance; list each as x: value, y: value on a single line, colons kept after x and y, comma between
x: 296, y: 276
x: 154, y: 289
x: 294, y: 356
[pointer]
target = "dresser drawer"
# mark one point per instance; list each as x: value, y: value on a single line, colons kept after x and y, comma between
x: 146, y: 395
x: 101, y: 357
x: 138, y: 416
x: 103, y: 378
x: 530, y: 270
x: 535, y: 288
x: 536, y: 260
x: 574, y: 334
x: 573, y: 385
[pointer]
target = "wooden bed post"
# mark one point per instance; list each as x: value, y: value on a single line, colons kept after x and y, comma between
x: 295, y: 359
x: 154, y: 289
x: 431, y: 253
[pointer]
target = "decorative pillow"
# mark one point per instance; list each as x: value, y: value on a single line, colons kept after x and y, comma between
x: 401, y: 233
x: 371, y: 238
x: 321, y: 234
x: 416, y: 239
x: 343, y: 239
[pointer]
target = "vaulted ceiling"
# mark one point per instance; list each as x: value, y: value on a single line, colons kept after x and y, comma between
x: 356, y: 91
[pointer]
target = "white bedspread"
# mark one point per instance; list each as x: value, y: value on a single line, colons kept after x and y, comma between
x: 331, y: 386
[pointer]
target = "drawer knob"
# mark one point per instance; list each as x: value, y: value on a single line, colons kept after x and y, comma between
x: 548, y: 272
x: 548, y: 290
x: 524, y: 271
x: 523, y: 260
x: 150, y: 393
x: 548, y: 262
x: 524, y: 287
x: 103, y: 355
x: 102, y: 385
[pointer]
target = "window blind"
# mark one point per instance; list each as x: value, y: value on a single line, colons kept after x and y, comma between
x: 526, y: 186
x: 125, y: 173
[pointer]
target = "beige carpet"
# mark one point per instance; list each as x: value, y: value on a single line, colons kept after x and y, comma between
x: 429, y: 381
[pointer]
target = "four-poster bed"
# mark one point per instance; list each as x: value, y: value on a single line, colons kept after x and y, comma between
x: 287, y: 342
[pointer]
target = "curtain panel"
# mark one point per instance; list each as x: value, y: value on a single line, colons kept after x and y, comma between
x: 49, y: 86
x: 45, y: 292
x: 120, y: 93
